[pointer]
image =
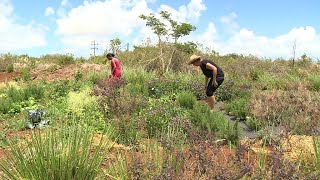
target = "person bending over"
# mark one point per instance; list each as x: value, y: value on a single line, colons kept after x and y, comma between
x: 210, y: 70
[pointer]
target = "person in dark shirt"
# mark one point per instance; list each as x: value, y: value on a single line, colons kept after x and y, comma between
x: 210, y: 70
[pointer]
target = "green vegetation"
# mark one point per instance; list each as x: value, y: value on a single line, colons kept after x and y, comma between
x: 150, y: 124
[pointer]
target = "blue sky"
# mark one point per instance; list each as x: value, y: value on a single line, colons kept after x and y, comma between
x: 266, y: 28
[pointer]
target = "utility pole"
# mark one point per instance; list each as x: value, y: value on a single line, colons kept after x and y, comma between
x: 294, y: 47
x: 94, y: 44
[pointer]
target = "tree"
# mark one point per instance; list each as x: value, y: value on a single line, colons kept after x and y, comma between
x: 158, y: 27
x: 177, y: 29
x: 115, y: 45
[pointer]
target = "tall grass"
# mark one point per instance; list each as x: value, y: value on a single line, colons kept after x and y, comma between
x: 315, y: 82
x: 63, y: 154
x: 316, y: 145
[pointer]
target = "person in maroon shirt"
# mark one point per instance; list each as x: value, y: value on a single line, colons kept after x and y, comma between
x: 210, y: 70
x: 115, y: 66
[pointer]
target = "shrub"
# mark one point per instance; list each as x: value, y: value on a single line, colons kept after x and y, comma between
x: 253, y: 124
x: 114, y: 100
x: 25, y: 74
x: 174, y: 134
x: 5, y: 105
x: 230, y: 132
x: 10, y: 68
x: 63, y: 154
x: 65, y: 59
x: 34, y: 90
x: 16, y: 95
x: 255, y: 74
x: 19, y: 125
x: 201, y: 116
x: 6, y: 62
x: 238, y: 107
x: 197, y: 89
x: 59, y: 89
x: 186, y: 100
x: 209, y: 121
x: 158, y: 116
x: 229, y: 91
x: 78, y: 76
x: 298, y: 111
x: 315, y: 82
x: 126, y: 131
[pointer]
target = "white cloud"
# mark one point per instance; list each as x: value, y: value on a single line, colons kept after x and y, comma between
x: 190, y: 12
x: 16, y: 36
x: 248, y: 42
x: 49, y: 11
x: 229, y: 22
x: 64, y: 3
x: 102, y: 21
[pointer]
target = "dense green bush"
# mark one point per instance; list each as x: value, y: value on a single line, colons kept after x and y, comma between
x: 159, y: 114
x: 238, y: 107
x: 230, y: 132
x: 127, y: 131
x: 6, y: 62
x: 186, y: 100
x: 201, y: 116
x: 5, y: 105
x: 254, y: 124
x: 212, y: 121
x: 10, y: 68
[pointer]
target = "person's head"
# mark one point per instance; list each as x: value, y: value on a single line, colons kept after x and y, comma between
x: 195, y: 60
x: 110, y: 56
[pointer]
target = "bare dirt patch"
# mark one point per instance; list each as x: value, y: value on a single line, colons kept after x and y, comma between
x: 6, y: 77
x: 51, y: 72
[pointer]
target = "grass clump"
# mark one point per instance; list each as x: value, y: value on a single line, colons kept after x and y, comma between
x: 63, y: 154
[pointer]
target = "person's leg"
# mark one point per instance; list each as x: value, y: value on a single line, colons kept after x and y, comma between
x: 211, y: 100
x: 210, y: 95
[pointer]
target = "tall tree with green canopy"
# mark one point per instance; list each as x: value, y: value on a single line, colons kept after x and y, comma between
x: 158, y: 27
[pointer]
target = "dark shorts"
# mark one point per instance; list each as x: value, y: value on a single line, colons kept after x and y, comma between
x: 211, y: 89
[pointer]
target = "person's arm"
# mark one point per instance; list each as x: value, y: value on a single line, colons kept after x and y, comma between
x: 215, y: 72
x: 114, y: 66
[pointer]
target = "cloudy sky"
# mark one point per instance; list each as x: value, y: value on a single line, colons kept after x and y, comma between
x: 266, y: 28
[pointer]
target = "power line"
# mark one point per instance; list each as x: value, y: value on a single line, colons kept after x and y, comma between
x: 94, y: 48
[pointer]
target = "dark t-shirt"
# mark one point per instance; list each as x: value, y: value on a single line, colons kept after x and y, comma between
x: 208, y: 72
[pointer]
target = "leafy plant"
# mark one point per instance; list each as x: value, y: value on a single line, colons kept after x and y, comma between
x: 25, y: 74
x: 186, y: 100
x: 230, y: 132
x: 238, y: 107
x: 78, y: 76
x: 253, y: 124
x: 20, y: 124
x: 126, y: 131
x: 10, y: 68
x: 65, y: 59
